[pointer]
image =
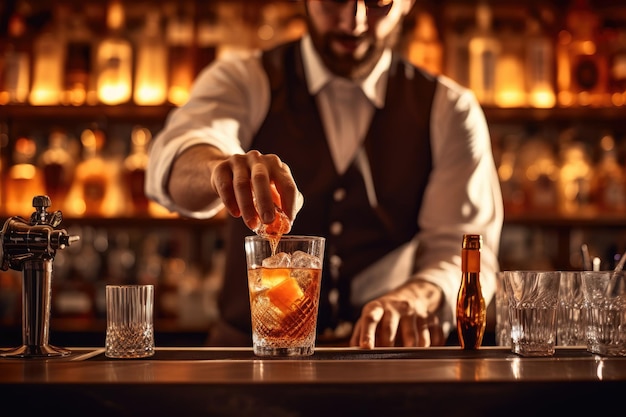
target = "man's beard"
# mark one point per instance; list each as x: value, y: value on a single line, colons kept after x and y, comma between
x: 348, y: 65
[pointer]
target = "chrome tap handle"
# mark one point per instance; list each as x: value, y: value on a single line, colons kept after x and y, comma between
x: 30, y: 247
x: 41, y: 216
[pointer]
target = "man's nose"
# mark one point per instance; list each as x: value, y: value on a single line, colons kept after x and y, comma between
x: 354, y: 17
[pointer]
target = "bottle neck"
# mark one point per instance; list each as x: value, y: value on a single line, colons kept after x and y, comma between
x: 470, y: 261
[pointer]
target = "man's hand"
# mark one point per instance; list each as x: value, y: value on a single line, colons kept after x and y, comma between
x: 403, y: 317
x: 202, y: 173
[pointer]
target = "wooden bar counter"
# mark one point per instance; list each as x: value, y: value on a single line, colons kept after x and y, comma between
x: 443, y: 381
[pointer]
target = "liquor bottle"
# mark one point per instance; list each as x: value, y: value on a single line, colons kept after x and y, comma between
x: 456, y: 39
x: 24, y: 179
x: 135, y: 170
x: 207, y: 37
x: 539, y: 65
x: 180, y: 51
x: 582, y: 65
x: 78, y: 61
x: 541, y: 174
x: 575, y: 176
x: 57, y: 165
x: 15, y: 62
x: 609, y: 179
x: 470, y: 308
x: 96, y: 190
x: 114, y: 59
x: 616, y: 40
x: 48, y: 59
x: 150, y: 86
x: 484, y: 52
x: 89, y: 188
x: 510, y: 88
x: 424, y: 48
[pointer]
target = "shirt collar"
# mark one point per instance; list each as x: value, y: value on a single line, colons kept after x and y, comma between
x: 374, y: 85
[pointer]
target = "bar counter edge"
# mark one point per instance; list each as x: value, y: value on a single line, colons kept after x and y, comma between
x: 335, y: 381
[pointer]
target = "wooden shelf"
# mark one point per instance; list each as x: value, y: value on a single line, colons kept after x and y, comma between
x: 120, y: 112
x: 589, y: 218
x: 556, y: 114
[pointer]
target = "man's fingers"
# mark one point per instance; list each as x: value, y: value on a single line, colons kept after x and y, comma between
x: 408, y: 331
x: 371, y: 316
x: 422, y: 330
x: 436, y: 332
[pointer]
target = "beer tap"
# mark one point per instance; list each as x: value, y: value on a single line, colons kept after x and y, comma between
x: 30, y: 247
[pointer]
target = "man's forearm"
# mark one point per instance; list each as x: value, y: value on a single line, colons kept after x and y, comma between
x: 189, y: 183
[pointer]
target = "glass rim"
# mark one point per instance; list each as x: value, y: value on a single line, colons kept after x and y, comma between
x: 287, y: 237
x: 129, y: 285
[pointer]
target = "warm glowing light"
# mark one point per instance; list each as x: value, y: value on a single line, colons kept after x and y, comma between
x: 542, y: 97
x: 510, y: 82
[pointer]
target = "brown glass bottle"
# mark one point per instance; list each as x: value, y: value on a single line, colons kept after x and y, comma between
x: 470, y: 310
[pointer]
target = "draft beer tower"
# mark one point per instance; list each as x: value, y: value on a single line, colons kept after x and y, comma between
x: 30, y: 247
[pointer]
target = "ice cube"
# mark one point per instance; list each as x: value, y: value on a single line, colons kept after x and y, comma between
x: 280, y: 226
x: 301, y: 259
x: 280, y: 260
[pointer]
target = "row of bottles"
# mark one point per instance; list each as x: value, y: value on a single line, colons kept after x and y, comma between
x: 150, y: 52
x: 186, y: 281
x: 83, y: 176
x: 572, y: 175
x: 526, y: 56
x: 147, y: 53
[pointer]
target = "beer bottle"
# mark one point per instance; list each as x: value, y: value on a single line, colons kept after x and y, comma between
x: 470, y: 310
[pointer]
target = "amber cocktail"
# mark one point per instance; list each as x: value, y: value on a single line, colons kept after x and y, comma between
x: 284, y: 293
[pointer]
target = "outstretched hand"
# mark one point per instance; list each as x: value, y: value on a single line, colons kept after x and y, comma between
x: 403, y: 317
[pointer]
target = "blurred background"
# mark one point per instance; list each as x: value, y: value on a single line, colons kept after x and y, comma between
x: 85, y: 85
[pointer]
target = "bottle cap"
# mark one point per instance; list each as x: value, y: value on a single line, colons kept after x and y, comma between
x: 471, y: 241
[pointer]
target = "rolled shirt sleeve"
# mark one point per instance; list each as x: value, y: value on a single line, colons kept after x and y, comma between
x: 227, y: 104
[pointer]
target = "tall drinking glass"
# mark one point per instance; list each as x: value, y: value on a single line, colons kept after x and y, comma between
x: 284, y: 285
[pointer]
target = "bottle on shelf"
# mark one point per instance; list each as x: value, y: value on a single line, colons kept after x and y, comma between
x: 456, y: 36
x: 15, y: 60
x: 48, y: 60
x: 57, y: 166
x: 150, y: 81
x: 24, y: 179
x: 484, y: 53
x: 539, y: 62
x: 78, y: 87
x: 471, y: 312
x: 541, y: 174
x: 96, y: 190
x: 616, y: 45
x: 609, y: 179
x: 135, y: 170
x: 511, y: 176
x: 114, y: 59
x: 207, y: 37
x: 510, y: 88
x: 424, y: 47
x: 575, y: 177
x: 582, y: 66
x: 179, y: 36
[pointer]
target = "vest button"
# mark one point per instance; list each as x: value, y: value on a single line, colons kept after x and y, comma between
x: 336, y: 228
x: 339, y: 194
x: 335, y: 261
x: 333, y: 297
x: 335, y: 264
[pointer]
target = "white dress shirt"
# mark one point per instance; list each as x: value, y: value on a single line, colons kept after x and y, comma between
x: 229, y: 102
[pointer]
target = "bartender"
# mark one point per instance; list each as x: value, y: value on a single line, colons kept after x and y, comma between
x: 390, y: 163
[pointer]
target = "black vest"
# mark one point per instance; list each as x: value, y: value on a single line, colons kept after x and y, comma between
x: 398, y: 149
